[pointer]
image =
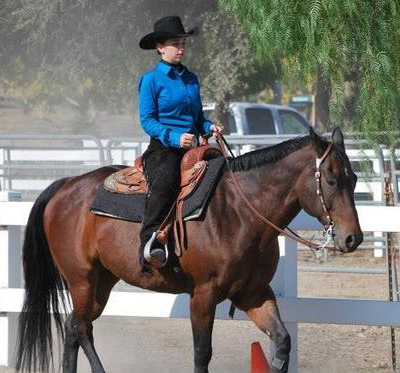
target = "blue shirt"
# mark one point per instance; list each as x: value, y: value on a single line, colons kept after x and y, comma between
x: 170, y: 104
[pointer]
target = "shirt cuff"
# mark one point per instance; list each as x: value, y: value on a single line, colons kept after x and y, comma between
x: 207, y: 126
x: 176, y: 139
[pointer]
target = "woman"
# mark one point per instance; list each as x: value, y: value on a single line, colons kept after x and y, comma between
x: 171, y: 113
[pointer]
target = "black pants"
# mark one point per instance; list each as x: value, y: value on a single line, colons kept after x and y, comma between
x: 162, y: 169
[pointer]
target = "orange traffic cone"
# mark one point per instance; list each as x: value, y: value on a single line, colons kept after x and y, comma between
x: 259, y: 363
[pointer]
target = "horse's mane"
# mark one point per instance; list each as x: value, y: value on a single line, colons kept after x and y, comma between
x: 262, y: 156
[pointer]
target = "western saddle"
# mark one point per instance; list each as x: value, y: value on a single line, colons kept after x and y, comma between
x: 132, y: 180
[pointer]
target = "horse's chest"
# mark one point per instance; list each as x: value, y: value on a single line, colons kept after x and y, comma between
x: 262, y: 266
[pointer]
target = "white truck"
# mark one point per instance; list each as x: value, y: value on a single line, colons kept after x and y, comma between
x: 246, y: 118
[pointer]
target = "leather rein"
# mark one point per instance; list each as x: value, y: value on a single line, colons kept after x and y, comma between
x: 318, y: 250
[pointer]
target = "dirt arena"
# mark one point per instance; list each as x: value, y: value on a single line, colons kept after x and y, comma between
x: 345, y: 348
x: 154, y: 345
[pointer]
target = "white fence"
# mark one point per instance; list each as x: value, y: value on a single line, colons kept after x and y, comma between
x: 29, y: 163
x: 294, y: 310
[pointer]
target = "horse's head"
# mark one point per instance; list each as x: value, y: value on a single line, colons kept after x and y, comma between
x: 328, y: 191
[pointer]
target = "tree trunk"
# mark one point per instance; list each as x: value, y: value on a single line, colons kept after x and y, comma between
x: 322, y: 97
x: 350, y: 98
x: 221, y: 113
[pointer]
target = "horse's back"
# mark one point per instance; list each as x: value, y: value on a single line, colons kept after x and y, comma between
x: 82, y: 188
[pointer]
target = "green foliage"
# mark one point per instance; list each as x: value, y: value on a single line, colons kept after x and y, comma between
x: 86, y: 52
x: 341, y: 39
x: 65, y: 45
x: 83, y: 52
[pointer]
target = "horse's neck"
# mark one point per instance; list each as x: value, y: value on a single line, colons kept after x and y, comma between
x: 272, y: 188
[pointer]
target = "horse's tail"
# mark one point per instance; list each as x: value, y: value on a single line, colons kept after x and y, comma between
x: 43, y: 286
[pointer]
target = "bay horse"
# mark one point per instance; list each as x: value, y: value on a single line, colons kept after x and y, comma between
x: 231, y: 253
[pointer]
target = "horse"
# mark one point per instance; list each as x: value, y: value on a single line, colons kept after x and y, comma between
x: 230, y: 254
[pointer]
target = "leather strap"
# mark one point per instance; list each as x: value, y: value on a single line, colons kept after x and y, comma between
x: 318, y: 163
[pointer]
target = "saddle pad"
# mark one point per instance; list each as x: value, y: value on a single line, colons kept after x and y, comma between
x: 131, y: 207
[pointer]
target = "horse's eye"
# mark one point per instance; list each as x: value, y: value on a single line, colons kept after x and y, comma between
x: 331, y: 181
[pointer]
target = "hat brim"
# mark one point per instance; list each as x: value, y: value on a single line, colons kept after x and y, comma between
x: 150, y: 40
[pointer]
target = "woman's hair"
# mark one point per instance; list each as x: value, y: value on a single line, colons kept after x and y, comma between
x: 161, y: 41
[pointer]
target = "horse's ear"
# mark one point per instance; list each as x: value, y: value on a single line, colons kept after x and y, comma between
x: 318, y: 144
x: 337, y: 137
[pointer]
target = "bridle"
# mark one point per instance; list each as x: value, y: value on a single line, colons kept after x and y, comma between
x: 318, y: 250
x: 328, y: 227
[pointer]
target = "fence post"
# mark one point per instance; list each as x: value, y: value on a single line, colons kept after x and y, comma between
x: 10, y: 277
x: 285, y: 285
x: 378, y: 251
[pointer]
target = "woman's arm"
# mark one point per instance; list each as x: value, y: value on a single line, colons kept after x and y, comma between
x: 148, y: 111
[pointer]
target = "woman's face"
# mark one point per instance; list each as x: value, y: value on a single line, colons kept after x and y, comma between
x: 172, y: 50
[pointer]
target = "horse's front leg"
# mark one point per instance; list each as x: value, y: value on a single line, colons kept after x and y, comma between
x: 267, y: 318
x: 202, y: 313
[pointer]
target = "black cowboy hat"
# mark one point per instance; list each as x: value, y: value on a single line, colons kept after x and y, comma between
x: 166, y: 28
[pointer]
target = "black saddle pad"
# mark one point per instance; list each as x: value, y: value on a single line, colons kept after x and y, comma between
x: 131, y: 207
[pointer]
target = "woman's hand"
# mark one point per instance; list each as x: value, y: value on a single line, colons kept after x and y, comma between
x: 215, y: 129
x: 188, y: 141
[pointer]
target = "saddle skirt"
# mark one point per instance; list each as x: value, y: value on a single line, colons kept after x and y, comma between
x: 129, y: 180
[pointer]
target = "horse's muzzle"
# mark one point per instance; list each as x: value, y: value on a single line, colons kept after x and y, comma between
x: 351, y: 243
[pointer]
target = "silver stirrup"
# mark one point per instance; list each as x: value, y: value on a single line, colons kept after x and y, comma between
x: 146, y: 253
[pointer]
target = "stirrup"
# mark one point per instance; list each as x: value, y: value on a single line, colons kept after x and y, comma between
x: 151, y: 243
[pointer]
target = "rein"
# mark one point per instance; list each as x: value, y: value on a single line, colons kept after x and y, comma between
x: 318, y: 250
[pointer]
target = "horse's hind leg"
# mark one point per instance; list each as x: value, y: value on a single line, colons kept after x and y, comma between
x: 71, y: 346
x: 89, y: 299
x: 267, y: 318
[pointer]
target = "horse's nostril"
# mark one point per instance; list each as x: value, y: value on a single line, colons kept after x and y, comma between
x: 353, y: 240
x: 350, y: 242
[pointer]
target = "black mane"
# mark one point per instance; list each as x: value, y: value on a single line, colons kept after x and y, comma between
x: 274, y: 153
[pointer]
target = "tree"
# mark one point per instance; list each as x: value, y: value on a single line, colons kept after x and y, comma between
x: 349, y: 49
x: 86, y: 52
x: 228, y: 69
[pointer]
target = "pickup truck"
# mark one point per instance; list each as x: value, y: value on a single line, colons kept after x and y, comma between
x: 247, y: 118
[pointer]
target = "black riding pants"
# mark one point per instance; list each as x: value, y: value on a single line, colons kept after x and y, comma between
x: 162, y: 169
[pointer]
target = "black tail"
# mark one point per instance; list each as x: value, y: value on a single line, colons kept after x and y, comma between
x: 43, y: 286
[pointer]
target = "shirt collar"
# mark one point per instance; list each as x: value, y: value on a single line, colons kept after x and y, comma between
x: 169, y: 69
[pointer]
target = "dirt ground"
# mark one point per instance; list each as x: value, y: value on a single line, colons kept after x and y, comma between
x: 344, y: 348
x: 322, y: 348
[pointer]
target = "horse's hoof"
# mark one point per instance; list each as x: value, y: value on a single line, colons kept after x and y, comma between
x: 201, y: 370
x: 279, y: 365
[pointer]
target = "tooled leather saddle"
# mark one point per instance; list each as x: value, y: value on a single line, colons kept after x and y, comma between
x: 132, y: 180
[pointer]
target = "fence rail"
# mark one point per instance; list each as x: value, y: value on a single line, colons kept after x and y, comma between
x: 29, y: 163
x: 42, y: 159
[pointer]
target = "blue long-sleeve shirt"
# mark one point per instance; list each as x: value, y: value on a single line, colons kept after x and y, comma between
x: 170, y: 104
